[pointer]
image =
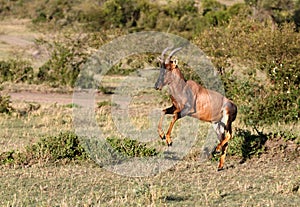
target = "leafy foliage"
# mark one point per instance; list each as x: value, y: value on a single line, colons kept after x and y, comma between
x: 246, y: 144
x: 64, y: 64
x: 131, y: 148
x: 280, y: 11
x: 5, y: 106
x: 65, y: 146
x: 260, y: 68
x: 16, y: 71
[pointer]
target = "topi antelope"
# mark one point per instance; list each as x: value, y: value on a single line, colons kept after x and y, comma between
x: 191, y: 99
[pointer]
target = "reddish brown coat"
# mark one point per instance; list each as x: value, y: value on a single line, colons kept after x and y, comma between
x: 191, y: 99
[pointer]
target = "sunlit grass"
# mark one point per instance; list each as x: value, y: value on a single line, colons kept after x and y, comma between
x: 266, y: 178
x: 17, y: 130
x: 192, y: 181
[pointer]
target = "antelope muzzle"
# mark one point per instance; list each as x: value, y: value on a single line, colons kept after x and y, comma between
x: 160, y: 81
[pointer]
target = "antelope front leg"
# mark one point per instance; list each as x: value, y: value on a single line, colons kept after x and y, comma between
x: 177, y: 115
x: 169, y: 110
x: 168, y: 135
x: 159, y: 129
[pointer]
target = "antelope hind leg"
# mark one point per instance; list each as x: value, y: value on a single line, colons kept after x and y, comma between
x: 222, y: 158
x: 222, y: 130
x: 219, y: 127
x: 224, y: 146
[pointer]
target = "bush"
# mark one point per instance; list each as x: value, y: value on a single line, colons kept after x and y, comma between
x: 281, y: 11
x: 66, y: 146
x: 16, y: 71
x: 131, y: 148
x: 5, y: 106
x: 12, y: 158
x: 52, y: 148
x: 68, y: 53
x: 180, y: 17
x: 246, y: 144
x: 260, y: 67
x: 67, y: 58
x: 54, y: 11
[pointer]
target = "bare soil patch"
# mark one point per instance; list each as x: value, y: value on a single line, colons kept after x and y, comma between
x: 18, y: 40
x: 41, y: 97
x: 50, y: 98
x: 280, y: 149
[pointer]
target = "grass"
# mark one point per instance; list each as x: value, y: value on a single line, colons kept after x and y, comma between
x: 19, y: 131
x: 187, y: 184
x: 259, y: 181
x: 264, y: 178
x: 260, y: 169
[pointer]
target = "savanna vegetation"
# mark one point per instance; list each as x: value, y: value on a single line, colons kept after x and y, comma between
x: 255, y: 48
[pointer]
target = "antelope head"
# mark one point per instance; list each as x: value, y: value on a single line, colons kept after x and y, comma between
x: 166, y: 67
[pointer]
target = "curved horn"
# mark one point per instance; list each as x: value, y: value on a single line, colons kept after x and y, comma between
x: 161, y: 58
x: 172, y: 53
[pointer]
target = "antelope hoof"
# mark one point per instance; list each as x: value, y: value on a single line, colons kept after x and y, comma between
x: 220, y: 169
x: 162, y: 136
x: 216, y: 152
x: 169, y: 144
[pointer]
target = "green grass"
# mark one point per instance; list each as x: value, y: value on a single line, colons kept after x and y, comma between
x: 18, y: 131
x: 43, y: 164
x: 105, y: 103
x: 187, y: 184
x: 267, y: 179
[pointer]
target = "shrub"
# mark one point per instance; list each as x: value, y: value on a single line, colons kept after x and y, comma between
x: 260, y: 68
x: 12, y: 158
x: 131, y: 148
x: 66, y: 146
x: 16, y: 71
x: 67, y: 57
x: 246, y: 144
x: 180, y: 17
x: 61, y: 69
x: 281, y: 11
x: 52, y: 148
x: 114, y: 14
x: 54, y: 11
x: 5, y: 106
